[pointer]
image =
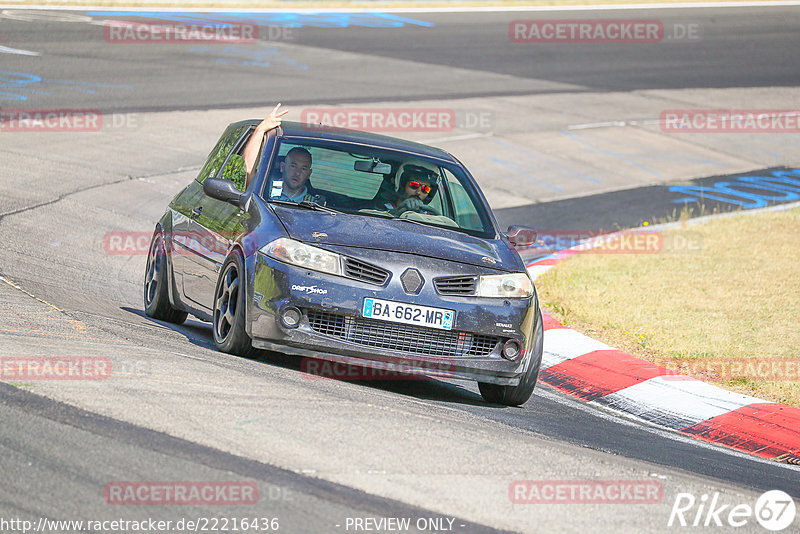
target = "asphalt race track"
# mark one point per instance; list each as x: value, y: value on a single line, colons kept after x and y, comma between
x: 566, y: 143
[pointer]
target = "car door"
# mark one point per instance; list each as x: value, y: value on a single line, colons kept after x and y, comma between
x: 202, y: 234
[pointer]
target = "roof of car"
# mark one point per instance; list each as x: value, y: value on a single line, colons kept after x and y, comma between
x: 299, y: 129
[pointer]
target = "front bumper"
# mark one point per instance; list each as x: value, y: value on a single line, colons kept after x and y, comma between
x: 331, y: 326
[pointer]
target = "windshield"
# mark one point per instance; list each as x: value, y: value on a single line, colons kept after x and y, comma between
x: 376, y: 183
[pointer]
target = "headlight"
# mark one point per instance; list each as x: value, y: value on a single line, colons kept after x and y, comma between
x: 297, y: 253
x: 511, y: 285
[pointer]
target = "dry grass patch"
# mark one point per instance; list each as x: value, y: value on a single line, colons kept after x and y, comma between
x: 734, y: 302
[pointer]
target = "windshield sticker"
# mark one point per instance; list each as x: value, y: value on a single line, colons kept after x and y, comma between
x: 277, y: 189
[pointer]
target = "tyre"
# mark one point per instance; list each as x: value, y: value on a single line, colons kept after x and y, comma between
x: 229, y: 308
x: 156, y: 278
x: 519, y: 394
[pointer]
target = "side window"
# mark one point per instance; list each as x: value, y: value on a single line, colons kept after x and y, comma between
x: 332, y: 172
x: 235, y: 169
x: 236, y: 172
x: 465, y: 213
x: 218, y: 156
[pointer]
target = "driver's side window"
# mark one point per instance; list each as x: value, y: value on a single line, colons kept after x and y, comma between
x: 235, y: 171
x: 235, y: 168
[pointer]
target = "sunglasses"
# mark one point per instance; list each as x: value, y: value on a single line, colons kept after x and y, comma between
x: 413, y: 184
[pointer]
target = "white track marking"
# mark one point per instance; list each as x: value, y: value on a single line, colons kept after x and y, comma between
x: 9, y: 50
x: 535, y: 271
x: 562, y: 344
x: 676, y: 402
x: 42, y: 14
x: 457, y: 138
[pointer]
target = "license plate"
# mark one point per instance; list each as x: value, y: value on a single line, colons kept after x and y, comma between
x: 399, y: 312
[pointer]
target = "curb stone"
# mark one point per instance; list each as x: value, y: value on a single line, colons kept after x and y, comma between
x: 597, y: 373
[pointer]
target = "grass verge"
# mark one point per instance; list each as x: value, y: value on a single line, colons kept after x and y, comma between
x: 720, y: 302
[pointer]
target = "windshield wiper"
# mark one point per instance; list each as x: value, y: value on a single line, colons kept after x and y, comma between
x: 317, y: 206
x: 308, y: 204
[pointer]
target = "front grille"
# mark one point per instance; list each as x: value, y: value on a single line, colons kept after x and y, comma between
x: 457, y: 285
x: 360, y: 270
x: 400, y: 337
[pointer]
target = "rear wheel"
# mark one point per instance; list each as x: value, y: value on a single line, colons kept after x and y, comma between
x: 156, y: 292
x: 519, y: 394
x: 229, y: 309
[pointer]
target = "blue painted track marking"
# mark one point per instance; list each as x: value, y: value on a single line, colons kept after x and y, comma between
x: 624, y: 157
x: 532, y: 155
x: 285, y: 19
x: 522, y: 169
x: 18, y: 85
x: 730, y: 190
x: 268, y: 56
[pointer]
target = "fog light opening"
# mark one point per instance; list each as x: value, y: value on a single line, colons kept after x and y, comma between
x: 511, y: 349
x: 290, y: 317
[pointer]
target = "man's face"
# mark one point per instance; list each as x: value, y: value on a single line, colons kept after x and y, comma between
x: 418, y: 187
x: 296, y: 170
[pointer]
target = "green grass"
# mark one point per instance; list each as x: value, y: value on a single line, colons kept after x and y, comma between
x: 733, y: 298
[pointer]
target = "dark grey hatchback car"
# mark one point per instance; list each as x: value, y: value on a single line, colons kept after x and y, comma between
x: 339, y: 276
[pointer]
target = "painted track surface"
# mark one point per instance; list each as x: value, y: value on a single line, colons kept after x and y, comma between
x: 465, y: 453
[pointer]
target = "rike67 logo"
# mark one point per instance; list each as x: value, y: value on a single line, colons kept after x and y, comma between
x: 774, y: 510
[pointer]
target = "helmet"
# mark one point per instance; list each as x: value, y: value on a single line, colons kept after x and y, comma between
x: 411, y: 170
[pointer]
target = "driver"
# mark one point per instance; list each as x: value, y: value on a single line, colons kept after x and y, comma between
x: 295, y: 169
x: 415, y: 191
x: 295, y: 172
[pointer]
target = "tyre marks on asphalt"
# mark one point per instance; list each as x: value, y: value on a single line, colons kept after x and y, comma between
x: 315, y: 505
x: 77, y: 325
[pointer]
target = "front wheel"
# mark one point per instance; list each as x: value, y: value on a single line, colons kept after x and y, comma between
x: 229, y: 308
x: 156, y: 292
x: 519, y: 394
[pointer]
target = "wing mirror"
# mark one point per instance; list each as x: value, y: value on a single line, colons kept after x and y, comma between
x: 226, y: 191
x: 230, y: 187
x: 521, y: 236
